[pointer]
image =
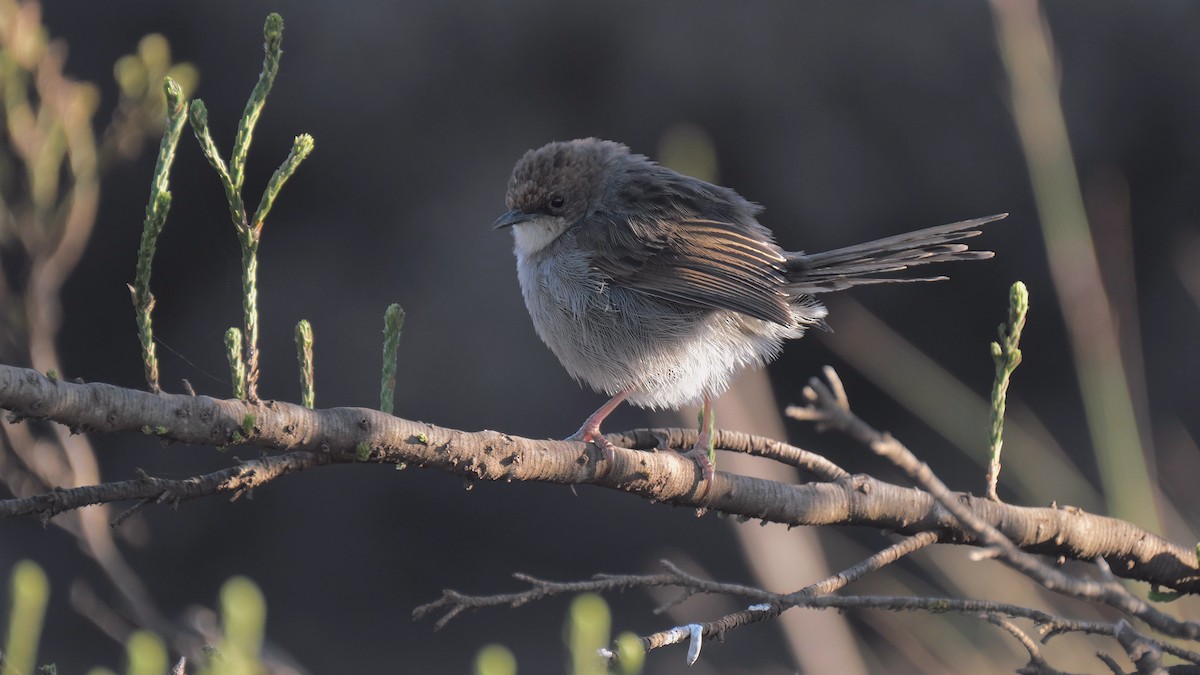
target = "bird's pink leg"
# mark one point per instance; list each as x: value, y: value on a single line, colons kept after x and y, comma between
x: 590, y: 431
x: 702, y: 451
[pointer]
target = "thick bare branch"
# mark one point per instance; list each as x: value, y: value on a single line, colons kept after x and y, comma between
x: 661, y: 476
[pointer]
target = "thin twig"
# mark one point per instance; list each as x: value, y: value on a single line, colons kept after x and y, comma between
x: 887, y: 556
x: 733, y: 441
x: 1037, y: 664
x: 1047, y: 631
x: 236, y: 480
x: 1145, y: 654
x: 833, y: 411
x: 452, y: 603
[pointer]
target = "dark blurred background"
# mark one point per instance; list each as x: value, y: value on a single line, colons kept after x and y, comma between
x: 847, y: 121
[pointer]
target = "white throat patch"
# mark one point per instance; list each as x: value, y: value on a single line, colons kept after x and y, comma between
x: 536, y: 234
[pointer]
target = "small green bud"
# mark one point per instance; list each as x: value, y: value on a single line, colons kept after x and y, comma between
x: 174, y: 94
x: 273, y: 31
x: 302, y: 145
x: 198, y: 114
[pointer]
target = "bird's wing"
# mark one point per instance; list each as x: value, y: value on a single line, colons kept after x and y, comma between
x: 694, y: 261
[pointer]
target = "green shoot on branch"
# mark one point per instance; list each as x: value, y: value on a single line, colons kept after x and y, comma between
x: 272, y: 51
x: 302, y: 146
x: 198, y: 116
x: 232, y: 177
x: 156, y: 218
x: 1007, y: 356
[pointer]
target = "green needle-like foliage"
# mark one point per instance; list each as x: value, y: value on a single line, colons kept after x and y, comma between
x: 250, y: 314
x: 198, y: 116
x: 1007, y: 356
x: 237, y: 367
x: 156, y: 218
x: 232, y: 177
x: 393, y: 322
x: 272, y: 51
x: 301, y: 148
x: 304, y: 354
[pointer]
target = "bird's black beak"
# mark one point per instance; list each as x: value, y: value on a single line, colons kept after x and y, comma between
x: 510, y: 218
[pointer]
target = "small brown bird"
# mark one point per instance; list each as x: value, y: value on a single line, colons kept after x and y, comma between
x: 657, y: 288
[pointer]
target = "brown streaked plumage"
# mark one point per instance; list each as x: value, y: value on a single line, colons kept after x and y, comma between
x: 657, y: 288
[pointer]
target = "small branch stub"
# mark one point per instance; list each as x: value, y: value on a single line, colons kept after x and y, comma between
x: 393, y: 323
x: 304, y: 355
x: 237, y: 368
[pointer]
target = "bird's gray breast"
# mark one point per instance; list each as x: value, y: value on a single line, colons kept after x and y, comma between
x: 603, y: 335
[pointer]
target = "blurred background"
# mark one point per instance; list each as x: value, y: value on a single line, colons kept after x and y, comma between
x: 847, y: 121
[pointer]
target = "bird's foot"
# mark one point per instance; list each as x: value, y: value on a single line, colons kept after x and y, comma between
x: 591, y: 434
x: 590, y: 431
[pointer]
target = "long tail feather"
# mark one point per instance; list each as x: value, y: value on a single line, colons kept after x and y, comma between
x: 858, y: 265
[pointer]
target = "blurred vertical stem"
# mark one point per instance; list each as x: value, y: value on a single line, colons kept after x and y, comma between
x: 1006, y: 353
x: 393, y: 322
x: 588, y: 626
x: 29, y: 592
x: 495, y: 660
x: 243, y: 624
x: 232, y: 176
x: 156, y: 218
x: 146, y: 654
x: 304, y: 354
x: 1026, y: 48
x: 631, y: 655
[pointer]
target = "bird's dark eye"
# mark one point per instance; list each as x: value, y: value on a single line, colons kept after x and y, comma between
x: 557, y: 201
